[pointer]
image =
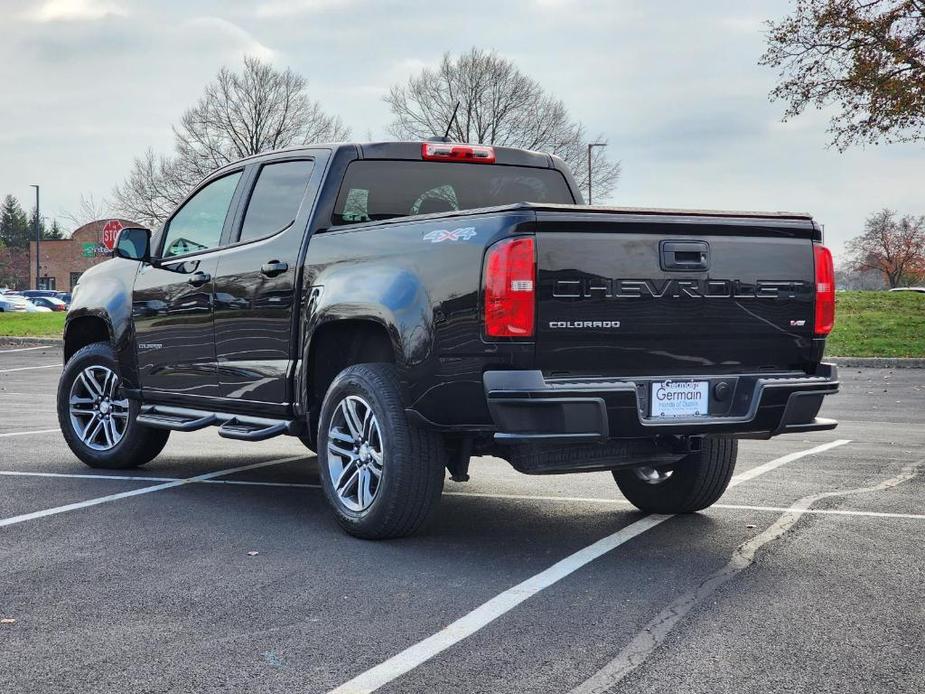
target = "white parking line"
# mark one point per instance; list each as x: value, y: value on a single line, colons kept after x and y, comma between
x: 29, y: 433
x: 25, y: 349
x: 653, y: 634
x: 136, y: 492
x: 823, y: 511
x: 758, y: 470
x: 733, y: 507
x: 29, y: 368
x: 478, y: 495
x: 257, y: 483
x: 462, y: 628
x: 78, y: 476
x: 137, y: 478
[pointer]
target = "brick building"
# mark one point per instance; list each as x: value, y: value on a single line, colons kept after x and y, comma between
x: 63, y: 261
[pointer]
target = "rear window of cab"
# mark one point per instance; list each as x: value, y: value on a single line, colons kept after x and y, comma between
x: 374, y: 190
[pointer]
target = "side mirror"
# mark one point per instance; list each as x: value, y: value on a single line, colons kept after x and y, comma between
x: 134, y: 243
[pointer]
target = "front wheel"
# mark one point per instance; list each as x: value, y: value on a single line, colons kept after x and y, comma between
x: 381, y: 474
x: 97, y: 420
x: 693, y: 483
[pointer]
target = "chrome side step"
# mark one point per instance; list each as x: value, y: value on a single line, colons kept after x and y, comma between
x: 231, y: 426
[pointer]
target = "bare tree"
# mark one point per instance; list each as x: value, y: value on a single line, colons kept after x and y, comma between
x: 893, y: 247
x: 498, y: 105
x: 867, y: 58
x: 239, y: 114
x: 89, y: 210
x: 864, y: 280
x: 154, y: 187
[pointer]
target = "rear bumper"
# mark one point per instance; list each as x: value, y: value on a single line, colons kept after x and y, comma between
x: 526, y: 406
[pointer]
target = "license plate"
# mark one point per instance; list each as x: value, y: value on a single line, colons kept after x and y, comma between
x: 680, y: 399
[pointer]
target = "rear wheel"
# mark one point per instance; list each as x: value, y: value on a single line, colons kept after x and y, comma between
x: 96, y: 419
x: 381, y: 474
x: 693, y: 483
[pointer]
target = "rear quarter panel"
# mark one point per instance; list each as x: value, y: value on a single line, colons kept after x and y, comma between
x: 421, y: 280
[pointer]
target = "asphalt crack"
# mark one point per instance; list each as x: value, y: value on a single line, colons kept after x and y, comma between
x: 637, y: 651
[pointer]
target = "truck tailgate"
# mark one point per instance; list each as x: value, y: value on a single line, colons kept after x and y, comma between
x: 621, y: 295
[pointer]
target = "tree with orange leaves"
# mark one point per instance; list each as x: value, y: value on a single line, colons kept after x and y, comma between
x: 867, y: 58
x: 894, y: 247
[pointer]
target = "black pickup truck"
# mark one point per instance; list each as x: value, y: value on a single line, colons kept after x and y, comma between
x: 401, y: 307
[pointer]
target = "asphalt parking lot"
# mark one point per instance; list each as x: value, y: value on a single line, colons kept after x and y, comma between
x: 809, y: 576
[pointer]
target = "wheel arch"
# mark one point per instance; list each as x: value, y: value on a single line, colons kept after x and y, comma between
x: 336, y: 344
x: 83, y: 330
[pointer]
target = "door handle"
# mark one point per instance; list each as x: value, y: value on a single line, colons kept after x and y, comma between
x: 197, y: 279
x: 274, y: 268
x: 684, y: 255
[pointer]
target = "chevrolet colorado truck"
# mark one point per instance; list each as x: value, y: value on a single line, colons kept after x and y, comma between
x: 401, y: 307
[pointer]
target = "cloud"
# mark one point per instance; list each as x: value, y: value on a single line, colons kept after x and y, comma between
x: 288, y: 8
x: 674, y: 86
x: 74, y: 11
x: 231, y: 38
x: 742, y: 25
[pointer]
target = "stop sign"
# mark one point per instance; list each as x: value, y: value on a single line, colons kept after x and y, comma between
x: 111, y: 232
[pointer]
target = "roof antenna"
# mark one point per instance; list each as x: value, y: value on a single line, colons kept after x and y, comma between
x: 446, y: 135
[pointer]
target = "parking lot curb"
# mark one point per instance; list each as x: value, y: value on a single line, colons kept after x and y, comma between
x: 878, y: 362
x: 55, y: 341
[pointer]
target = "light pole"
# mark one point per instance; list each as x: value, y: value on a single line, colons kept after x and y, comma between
x: 38, y: 239
x: 590, y: 147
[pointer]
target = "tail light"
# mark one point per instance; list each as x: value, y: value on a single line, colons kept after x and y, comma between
x: 825, y: 290
x: 510, y: 288
x: 439, y: 151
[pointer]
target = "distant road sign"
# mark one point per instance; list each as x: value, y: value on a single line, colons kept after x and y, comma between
x: 111, y: 232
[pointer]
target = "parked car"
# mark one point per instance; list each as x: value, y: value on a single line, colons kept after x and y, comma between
x: 34, y: 308
x: 48, y: 293
x: 400, y: 308
x: 920, y: 290
x: 11, y: 302
x: 38, y: 292
x: 52, y: 303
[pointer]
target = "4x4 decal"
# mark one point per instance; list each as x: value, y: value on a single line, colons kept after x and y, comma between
x: 438, y: 235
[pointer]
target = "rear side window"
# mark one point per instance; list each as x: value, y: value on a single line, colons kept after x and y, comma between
x: 275, y: 201
x: 383, y: 189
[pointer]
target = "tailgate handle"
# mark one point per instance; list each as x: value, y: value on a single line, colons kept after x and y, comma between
x: 684, y: 255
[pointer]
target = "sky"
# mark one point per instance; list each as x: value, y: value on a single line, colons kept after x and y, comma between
x: 673, y: 86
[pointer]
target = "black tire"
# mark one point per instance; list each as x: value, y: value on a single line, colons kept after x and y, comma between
x: 138, y: 445
x: 412, y: 458
x: 308, y: 442
x: 697, y: 481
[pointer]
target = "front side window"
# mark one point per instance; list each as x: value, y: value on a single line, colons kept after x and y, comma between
x: 276, y: 198
x: 198, y: 225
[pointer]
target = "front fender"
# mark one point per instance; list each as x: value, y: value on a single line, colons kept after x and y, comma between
x: 104, y: 292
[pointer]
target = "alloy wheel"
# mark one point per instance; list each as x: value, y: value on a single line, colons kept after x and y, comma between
x: 99, y: 416
x: 651, y: 475
x: 355, y: 453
